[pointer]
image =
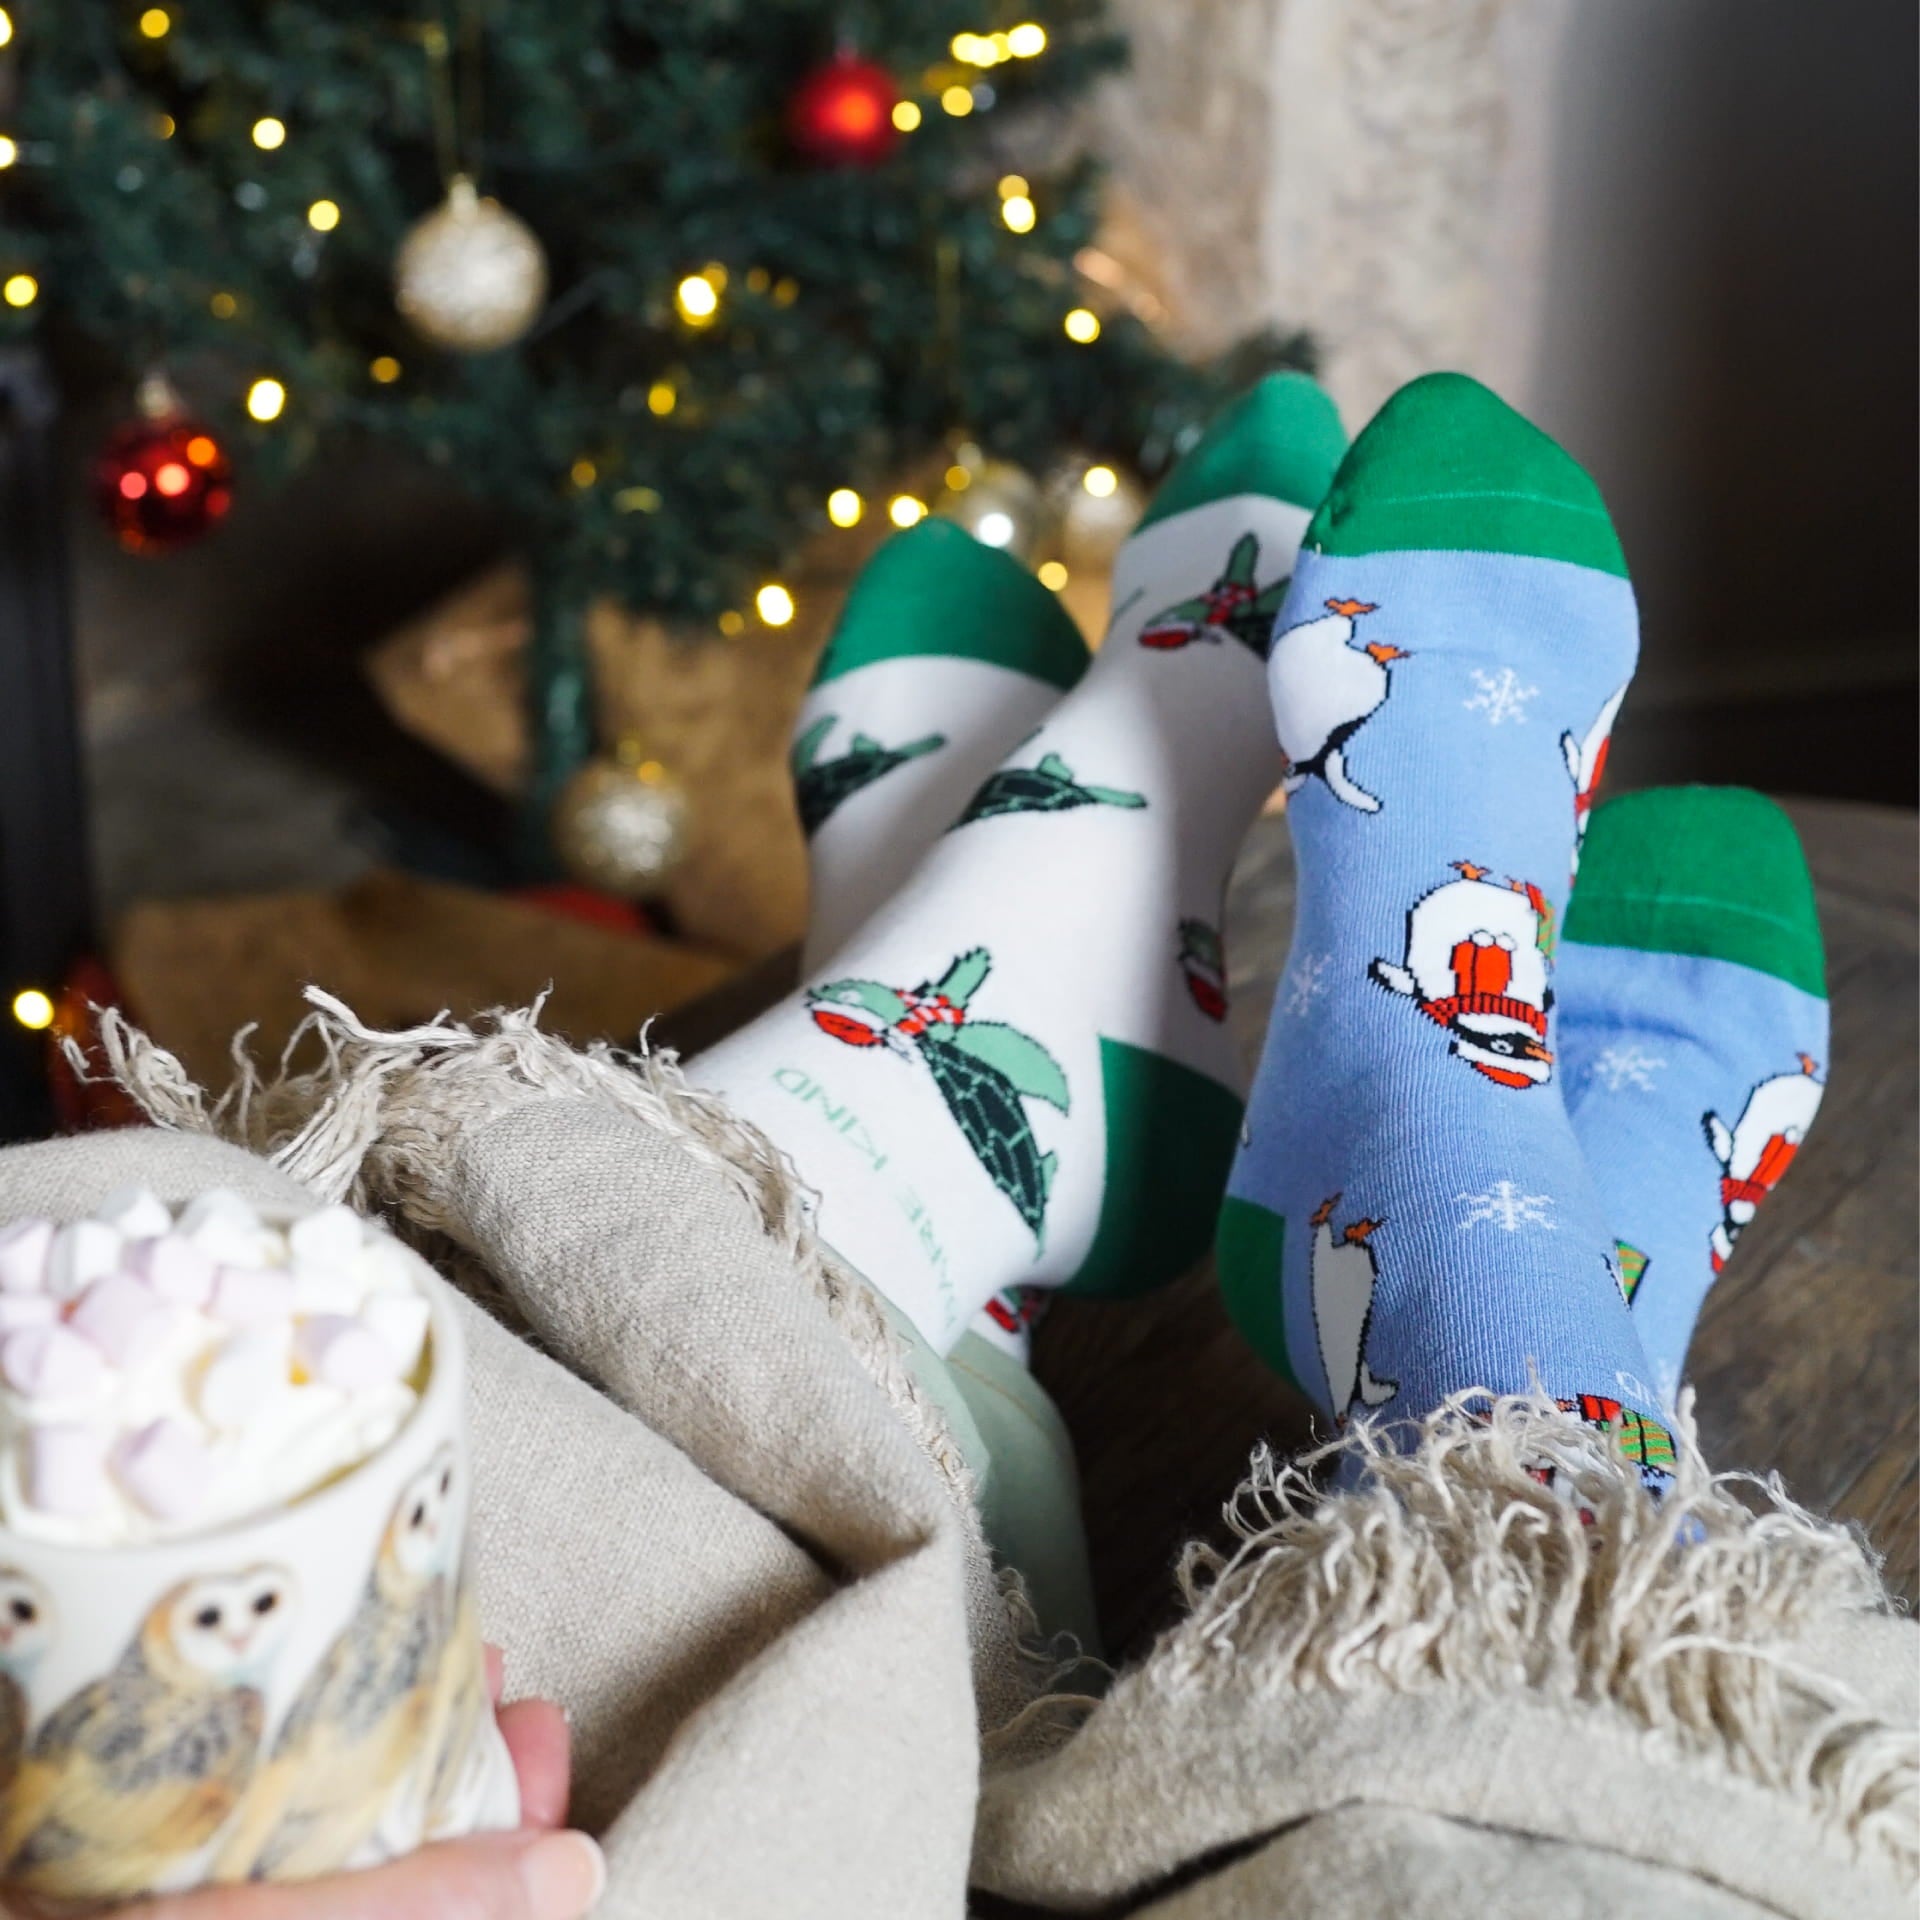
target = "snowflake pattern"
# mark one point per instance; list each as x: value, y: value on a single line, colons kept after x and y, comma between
x: 1627, y: 1065
x: 1306, y: 982
x: 1501, y: 696
x: 1506, y: 1207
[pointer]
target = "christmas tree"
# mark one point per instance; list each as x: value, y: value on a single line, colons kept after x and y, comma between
x: 674, y: 285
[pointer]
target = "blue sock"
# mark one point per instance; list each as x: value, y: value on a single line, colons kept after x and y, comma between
x: 1410, y: 1214
x: 1693, y: 1035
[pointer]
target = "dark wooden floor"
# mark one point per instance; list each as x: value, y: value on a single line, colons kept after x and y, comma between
x: 1807, y: 1359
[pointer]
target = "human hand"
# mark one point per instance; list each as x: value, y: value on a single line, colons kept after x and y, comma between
x: 538, y: 1873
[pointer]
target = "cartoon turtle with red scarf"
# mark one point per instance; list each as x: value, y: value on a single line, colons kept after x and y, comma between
x: 982, y: 1068
x: 1587, y: 762
x: 1203, y: 965
x: 1476, y: 965
x: 820, y: 787
x: 1759, y: 1147
x: 1343, y: 1274
x: 1233, y: 608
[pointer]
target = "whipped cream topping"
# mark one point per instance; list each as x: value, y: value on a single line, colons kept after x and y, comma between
x: 161, y: 1376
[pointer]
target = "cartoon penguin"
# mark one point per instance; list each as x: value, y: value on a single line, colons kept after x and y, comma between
x: 362, y: 1716
x: 1587, y: 762
x: 1343, y: 1275
x: 1475, y: 965
x: 1325, y: 687
x: 1759, y: 1147
x: 139, y: 1769
x: 26, y: 1631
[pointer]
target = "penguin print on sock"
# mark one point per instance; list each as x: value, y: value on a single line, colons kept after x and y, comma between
x: 1587, y: 761
x: 1325, y: 686
x: 1759, y: 1147
x: 1235, y: 607
x: 1476, y: 965
x: 822, y: 786
x: 1048, y: 787
x: 1203, y: 964
x: 1343, y: 1278
x: 984, y: 1070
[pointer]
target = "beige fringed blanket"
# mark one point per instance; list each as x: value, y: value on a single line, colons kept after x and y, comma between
x: 718, y: 1519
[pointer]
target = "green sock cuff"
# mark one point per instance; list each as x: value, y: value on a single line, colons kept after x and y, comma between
x: 1282, y: 437
x: 1249, y: 1242
x: 1447, y: 465
x: 935, y: 590
x: 1714, y: 871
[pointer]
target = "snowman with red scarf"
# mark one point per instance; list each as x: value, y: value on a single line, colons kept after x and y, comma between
x: 1759, y: 1147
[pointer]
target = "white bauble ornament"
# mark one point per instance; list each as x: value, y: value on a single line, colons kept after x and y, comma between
x: 470, y: 276
x: 621, y: 824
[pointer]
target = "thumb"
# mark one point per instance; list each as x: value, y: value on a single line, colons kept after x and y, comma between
x: 488, y: 1876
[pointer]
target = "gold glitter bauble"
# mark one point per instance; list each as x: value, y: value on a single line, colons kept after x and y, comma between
x: 999, y: 505
x: 1089, y: 526
x: 621, y: 824
x: 470, y: 276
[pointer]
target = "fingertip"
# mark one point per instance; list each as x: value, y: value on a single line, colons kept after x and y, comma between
x: 496, y: 1671
x: 564, y: 1874
x: 540, y: 1745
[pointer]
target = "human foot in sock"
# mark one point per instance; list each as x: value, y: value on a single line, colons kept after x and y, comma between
x: 946, y: 653
x: 1410, y: 1214
x: 1693, y: 1035
x: 1008, y: 1075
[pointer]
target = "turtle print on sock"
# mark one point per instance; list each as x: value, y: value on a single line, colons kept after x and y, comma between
x: 1233, y: 608
x: 983, y: 1069
x: 1047, y: 787
x: 820, y: 786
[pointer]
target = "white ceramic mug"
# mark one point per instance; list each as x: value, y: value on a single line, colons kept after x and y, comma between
x: 293, y: 1693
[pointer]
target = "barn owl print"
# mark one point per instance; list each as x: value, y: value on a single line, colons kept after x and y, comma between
x: 140, y: 1769
x: 364, y: 1714
x: 26, y: 1631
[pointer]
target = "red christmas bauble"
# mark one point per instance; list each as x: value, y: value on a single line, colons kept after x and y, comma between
x: 162, y: 483
x: 842, y: 114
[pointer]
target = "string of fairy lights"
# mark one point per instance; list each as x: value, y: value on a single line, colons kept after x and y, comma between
x: 699, y: 296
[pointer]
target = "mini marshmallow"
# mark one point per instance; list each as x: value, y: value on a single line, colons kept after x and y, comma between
x: 225, y: 1229
x: 400, y: 1320
x: 341, y: 1352
x: 86, y: 1251
x: 174, y: 1268
x: 123, y: 1318
x: 67, y: 1469
x: 319, y: 1290
x: 51, y: 1363
x: 25, y: 1246
x: 27, y: 1310
x: 166, y: 1469
x: 329, y: 1238
x: 247, y: 1372
x: 134, y: 1213
x: 245, y: 1294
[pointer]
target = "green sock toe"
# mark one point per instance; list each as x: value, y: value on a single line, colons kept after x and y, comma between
x: 1282, y: 437
x: 1447, y: 465
x: 934, y: 589
x: 1715, y: 871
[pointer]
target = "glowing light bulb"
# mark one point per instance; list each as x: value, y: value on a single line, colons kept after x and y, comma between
x: 1101, y: 482
x: 323, y: 216
x: 9, y: 151
x: 844, y: 507
x: 1012, y: 184
x: 697, y: 300
x: 6, y: 26
x: 774, y: 604
x: 384, y: 370
x: 33, y: 1009
x: 265, y: 398
x: 583, y: 473
x: 906, y: 115
x: 155, y: 24
x: 732, y: 621
x: 1027, y: 39
x: 223, y: 306
x: 662, y: 397
x: 958, y: 101
x: 972, y: 49
x: 133, y: 486
x: 21, y: 290
x: 637, y: 500
x: 1017, y: 212
x: 994, y: 529
x: 1082, y: 325
x: 958, y: 478
x: 1052, y: 574
x: 171, y: 480
x: 163, y: 125
x: 905, y: 511
x: 269, y: 133
x: 201, y: 451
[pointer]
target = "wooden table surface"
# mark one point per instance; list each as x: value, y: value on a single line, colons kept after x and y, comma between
x: 1807, y: 1358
